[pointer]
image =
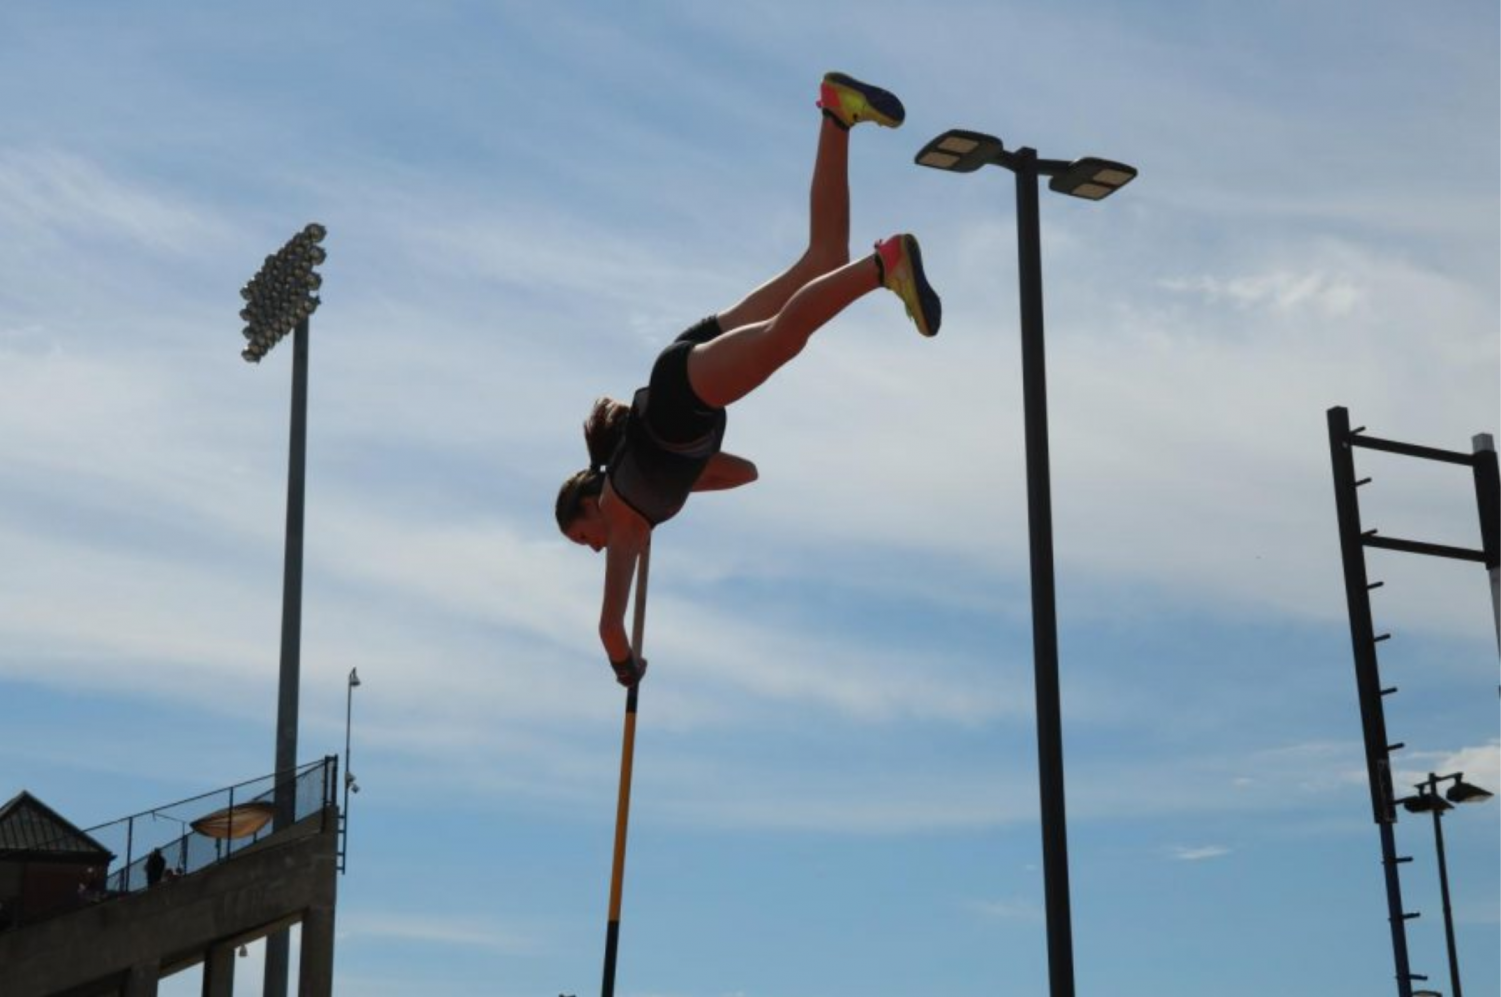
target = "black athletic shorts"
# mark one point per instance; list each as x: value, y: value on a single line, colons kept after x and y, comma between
x: 676, y: 413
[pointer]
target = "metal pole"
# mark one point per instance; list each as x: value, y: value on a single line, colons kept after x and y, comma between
x: 1044, y: 613
x: 348, y: 778
x: 278, y: 943
x: 1443, y: 882
x: 627, y: 755
x: 1368, y: 683
x: 130, y: 834
x: 1488, y: 499
x: 348, y: 723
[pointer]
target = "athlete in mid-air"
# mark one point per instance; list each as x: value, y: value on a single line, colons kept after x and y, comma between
x: 646, y: 457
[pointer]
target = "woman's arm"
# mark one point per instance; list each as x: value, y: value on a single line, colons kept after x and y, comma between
x: 628, y: 535
x: 723, y: 471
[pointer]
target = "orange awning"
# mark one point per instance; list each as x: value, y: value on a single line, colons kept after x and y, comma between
x: 239, y: 821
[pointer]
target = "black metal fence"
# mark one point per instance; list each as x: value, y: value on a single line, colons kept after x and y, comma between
x: 181, y: 838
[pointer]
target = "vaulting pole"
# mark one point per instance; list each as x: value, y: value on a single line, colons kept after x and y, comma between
x: 627, y: 753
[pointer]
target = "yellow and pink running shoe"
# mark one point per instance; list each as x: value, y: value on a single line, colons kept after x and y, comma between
x: 899, y: 261
x: 848, y: 102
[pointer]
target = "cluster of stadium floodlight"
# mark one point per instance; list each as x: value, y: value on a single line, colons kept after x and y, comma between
x: 281, y: 294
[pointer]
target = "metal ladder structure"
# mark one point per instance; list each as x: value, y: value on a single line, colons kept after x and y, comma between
x: 1343, y: 441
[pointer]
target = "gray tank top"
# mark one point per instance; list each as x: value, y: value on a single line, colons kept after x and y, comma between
x: 653, y: 475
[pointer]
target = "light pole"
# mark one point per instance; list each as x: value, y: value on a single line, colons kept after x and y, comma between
x: 1428, y: 801
x: 280, y: 299
x: 350, y: 786
x: 959, y: 151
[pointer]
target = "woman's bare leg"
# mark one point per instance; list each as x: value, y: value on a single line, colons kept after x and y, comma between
x: 828, y: 233
x: 773, y: 324
x: 726, y: 369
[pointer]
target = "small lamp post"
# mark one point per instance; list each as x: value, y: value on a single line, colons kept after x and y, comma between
x: 960, y: 151
x: 350, y: 785
x: 280, y: 299
x: 1428, y: 801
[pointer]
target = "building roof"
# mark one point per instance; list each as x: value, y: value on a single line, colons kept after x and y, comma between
x: 29, y: 829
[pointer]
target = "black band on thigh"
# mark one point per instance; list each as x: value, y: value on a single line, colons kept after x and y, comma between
x: 701, y: 332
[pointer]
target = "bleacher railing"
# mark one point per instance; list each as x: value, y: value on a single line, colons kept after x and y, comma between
x: 199, y: 832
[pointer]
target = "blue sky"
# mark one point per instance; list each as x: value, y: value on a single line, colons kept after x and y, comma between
x: 836, y: 764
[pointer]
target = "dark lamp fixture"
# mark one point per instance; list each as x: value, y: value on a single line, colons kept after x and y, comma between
x: 1425, y: 803
x: 960, y: 151
x: 1092, y: 178
x: 1463, y: 792
x: 279, y: 296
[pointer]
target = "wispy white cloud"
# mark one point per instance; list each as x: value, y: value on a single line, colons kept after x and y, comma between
x: 1476, y: 913
x: 1006, y: 910
x: 420, y: 928
x: 1200, y: 853
x: 1313, y: 776
x: 55, y: 198
x: 1479, y: 764
x: 1332, y: 295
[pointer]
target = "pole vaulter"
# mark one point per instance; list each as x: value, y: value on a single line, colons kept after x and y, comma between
x: 647, y: 457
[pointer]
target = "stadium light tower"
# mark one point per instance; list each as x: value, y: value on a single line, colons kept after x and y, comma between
x: 280, y: 299
x: 960, y: 151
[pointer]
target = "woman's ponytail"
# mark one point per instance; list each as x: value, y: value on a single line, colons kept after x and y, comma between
x: 603, y: 432
x: 604, y: 429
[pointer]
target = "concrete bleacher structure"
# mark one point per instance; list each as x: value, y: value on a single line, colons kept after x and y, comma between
x: 124, y: 944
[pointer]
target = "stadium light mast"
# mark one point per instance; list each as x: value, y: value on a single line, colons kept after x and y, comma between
x: 1093, y: 179
x: 280, y: 299
x: 1428, y: 801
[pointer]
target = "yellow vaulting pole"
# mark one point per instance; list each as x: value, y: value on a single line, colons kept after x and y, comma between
x: 627, y: 753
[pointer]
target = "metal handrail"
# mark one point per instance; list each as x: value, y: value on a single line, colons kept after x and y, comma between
x: 319, y: 777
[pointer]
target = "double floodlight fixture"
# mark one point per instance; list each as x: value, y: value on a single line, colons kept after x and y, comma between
x: 960, y: 151
x: 282, y: 294
x: 1428, y: 801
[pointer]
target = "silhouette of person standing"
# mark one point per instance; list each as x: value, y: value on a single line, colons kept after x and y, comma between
x: 156, y: 865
